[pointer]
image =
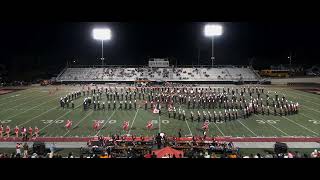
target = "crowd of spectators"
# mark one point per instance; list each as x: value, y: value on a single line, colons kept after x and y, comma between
x: 176, y: 73
x: 116, y: 148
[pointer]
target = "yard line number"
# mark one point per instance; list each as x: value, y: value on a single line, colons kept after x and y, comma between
x: 267, y: 121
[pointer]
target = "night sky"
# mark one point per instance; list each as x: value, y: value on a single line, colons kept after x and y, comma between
x: 48, y: 46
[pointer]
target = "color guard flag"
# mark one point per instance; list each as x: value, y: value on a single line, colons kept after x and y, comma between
x: 149, y: 125
x: 125, y: 125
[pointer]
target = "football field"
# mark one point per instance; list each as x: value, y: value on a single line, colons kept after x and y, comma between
x: 39, y: 106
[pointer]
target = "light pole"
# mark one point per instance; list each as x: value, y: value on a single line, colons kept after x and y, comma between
x: 212, y: 30
x: 102, y: 34
x: 290, y: 60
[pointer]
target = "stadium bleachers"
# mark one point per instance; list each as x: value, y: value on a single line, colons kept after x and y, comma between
x: 158, y: 74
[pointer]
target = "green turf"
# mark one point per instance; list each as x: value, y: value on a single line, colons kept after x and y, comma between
x: 36, y: 107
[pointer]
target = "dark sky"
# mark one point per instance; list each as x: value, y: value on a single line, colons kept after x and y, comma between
x: 52, y: 44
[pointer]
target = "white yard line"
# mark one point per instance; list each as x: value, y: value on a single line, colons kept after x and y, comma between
x: 300, y: 125
x: 306, y: 116
x: 247, y: 128
x: 17, y: 100
x: 189, y: 127
x: 58, y: 118
x: 219, y: 129
x: 133, y: 120
x: 32, y: 108
x: 105, y: 122
x: 22, y: 104
x: 38, y: 115
x: 278, y: 129
x: 78, y: 123
x: 303, y: 105
x: 300, y: 94
x: 16, y: 95
x: 159, y: 125
x: 273, y: 126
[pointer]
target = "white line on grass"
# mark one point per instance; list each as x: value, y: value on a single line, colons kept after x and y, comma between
x: 16, y: 95
x: 306, y: 116
x: 38, y: 115
x: 31, y: 108
x: 247, y: 128
x: 78, y: 123
x: 219, y: 129
x: 5, y: 103
x: 304, y: 96
x: 34, y: 99
x: 310, y: 108
x: 105, y: 122
x: 274, y: 126
x: 300, y: 125
x: 188, y: 127
x: 278, y: 129
x: 159, y: 125
x: 306, y: 105
x: 17, y: 99
x: 133, y: 120
x: 58, y: 118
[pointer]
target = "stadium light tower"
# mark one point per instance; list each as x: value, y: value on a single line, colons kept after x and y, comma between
x: 102, y: 34
x: 212, y: 30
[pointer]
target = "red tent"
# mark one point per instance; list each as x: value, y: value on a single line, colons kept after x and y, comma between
x: 168, y: 150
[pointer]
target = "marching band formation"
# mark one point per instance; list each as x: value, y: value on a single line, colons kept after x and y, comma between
x: 227, y: 103
x: 204, y: 104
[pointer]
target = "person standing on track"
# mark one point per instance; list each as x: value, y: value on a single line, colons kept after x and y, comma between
x: 8, y: 131
x: 30, y: 132
x: 36, y: 131
x: 1, y: 131
x: 16, y: 131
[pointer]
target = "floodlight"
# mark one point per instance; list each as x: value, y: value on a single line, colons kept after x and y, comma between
x: 102, y: 34
x: 211, y: 30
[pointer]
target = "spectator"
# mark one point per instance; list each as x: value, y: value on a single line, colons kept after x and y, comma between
x: 314, y: 154
x: 34, y: 155
x: 154, y: 155
x: 298, y: 155
x: 70, y: 155
x: 148, y: 155
x: 25, y: 150
x: 206, y: 155
x: 18, y: 151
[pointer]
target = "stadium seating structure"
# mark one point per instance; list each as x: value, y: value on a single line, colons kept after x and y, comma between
x: 158, y: 74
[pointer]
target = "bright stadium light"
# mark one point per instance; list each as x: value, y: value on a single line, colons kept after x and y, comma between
x: 102, y: 34
x: 212, y: 30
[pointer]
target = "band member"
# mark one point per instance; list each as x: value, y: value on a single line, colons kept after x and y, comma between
x: 8, y: 131
x: 149, y: 125
x: 1, y: 131
x: 145, y: 105
x: 16, y: 131
x: 23, y: 132
x: 125, y: 125
x: 68, y: 124
x: 36, y: 131
x: 205, y: 126
x: 30, y: 131
x: 96, y: 125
